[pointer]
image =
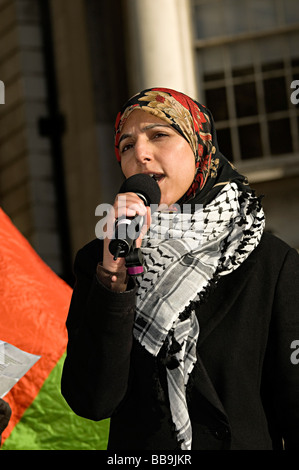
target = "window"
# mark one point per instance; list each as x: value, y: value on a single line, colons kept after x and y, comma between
x: 247, y: 57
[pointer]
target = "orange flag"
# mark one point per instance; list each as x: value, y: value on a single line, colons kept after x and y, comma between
x: 34, y: 303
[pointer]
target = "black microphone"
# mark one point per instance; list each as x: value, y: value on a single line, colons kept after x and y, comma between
x: 127, y: 229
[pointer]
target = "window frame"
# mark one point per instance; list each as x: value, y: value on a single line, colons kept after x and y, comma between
x: 267, y: 166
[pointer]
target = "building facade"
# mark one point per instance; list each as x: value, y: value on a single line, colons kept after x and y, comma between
x: 68, y: 65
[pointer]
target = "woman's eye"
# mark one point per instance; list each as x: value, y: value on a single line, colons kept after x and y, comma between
x: 125, y: 148
x: 160, y: 134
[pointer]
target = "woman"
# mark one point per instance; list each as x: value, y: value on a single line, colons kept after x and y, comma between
x: 194, y: 354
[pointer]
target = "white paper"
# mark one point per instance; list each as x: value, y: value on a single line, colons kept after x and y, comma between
x: 14, y: 363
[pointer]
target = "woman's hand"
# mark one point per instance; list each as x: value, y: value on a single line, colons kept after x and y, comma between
x: 130, y: 205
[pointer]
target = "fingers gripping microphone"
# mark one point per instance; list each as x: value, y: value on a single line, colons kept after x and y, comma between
x: 127, y: 229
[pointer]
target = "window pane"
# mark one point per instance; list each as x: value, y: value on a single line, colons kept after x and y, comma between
x: 275, y: 94
x: 243, y: 71
x: 209, y: 77
x: 208, y: 20
x: 234, y: 16
x: 250, y: 141
x: 241, y: 54
x: 262, y: 14
x: 225, y: 143
x: 216, y: 101
x: 271, y: 49
x: 295, y: 76
x: 295, y: 62
x: 293, y: 43
x: 280, y: 136
x: 291, y: 8
x: 277, y: 65
x: 246, y: 99
x: 211, y: 60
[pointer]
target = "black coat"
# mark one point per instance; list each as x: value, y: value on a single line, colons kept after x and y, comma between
x: 5, y: 414
x: 244, y: 390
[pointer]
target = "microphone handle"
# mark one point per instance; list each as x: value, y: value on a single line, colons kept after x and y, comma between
x: 124, y: 235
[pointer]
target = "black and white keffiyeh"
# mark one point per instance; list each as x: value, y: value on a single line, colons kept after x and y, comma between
x: 184, y: 254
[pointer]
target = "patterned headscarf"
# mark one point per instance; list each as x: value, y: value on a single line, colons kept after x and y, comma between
x: 194, y: 123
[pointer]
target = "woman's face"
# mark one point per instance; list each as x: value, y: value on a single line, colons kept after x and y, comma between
x: 149, y: 145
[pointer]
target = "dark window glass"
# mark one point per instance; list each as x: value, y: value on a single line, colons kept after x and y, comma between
x: 273, y: 66
x: 275, y: 94
x: 242, y: 71
x: 250, y: 141
x: 209, y: 77
x: 216, y: 101
x: 295, y: 62
x: 246, y: 99
x: 280, y: 136
x: 225, y: 143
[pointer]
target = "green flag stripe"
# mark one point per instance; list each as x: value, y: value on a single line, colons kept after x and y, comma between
x: 49, y: 423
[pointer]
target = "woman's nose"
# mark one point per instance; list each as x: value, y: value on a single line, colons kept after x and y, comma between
x: 143, y: 152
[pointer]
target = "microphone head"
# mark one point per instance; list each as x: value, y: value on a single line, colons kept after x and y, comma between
x: 143, y: 185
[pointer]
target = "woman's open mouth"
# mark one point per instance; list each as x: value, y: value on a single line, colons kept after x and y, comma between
x: 158, y: 177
